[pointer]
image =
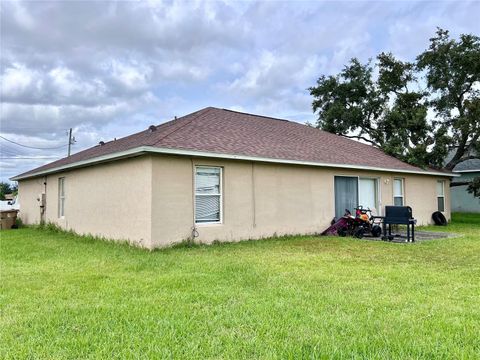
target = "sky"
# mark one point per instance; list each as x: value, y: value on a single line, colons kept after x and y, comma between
x: 111, y: 68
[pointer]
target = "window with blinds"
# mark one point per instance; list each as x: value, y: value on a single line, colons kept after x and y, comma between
x: 441, y: 195
x: 208, y: 194
x: 61, y: 197
x: 398, y: 192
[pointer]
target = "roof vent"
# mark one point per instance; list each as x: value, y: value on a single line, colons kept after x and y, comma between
x: 101, y: 143
x: 152, y: 128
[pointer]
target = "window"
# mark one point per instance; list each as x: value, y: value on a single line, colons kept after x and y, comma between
x: 398, y: 192
x: 368, y: 193
x: 346, y: 194
x: 61, y: 197
x: 208, y: 194
x: 352, y: 191
x: 441, y: 195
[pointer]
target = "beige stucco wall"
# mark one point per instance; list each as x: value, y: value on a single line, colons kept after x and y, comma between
x: 261, y: 199
x: 150, y: 200
x: 29, y: 193
x: 112, y: 200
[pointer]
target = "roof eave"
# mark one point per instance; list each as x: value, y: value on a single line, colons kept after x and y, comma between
x: 171, y: 151
x: 466, y: 171
x: 96, y: 160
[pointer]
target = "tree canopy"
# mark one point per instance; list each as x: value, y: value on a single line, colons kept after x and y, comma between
x: 6, y: 188
x: 423, y: 111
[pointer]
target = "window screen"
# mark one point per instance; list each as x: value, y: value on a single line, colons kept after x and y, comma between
x: 441, y: 195
x: 398, y: 192
x: 346, y: 194
x: 368, y: 194
x: 61, y: 197
x: 208, y: 194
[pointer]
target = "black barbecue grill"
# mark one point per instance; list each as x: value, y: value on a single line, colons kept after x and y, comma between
x: 398, y: 215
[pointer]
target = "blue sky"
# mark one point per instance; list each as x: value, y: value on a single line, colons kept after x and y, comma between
x: 108, y: 68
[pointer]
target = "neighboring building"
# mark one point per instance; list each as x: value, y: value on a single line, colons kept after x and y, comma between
x: 462, y: 200
x: 10, y: 203
x: 223, y: 175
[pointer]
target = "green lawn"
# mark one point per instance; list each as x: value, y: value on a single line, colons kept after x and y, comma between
x: 64, y: 296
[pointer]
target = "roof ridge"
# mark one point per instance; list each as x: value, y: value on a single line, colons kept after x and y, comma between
x: 176, y: 119
x: 296, y: 123
x: 222, y: 131
x: 255, y: 115
x: 169, y: 122
x: 333, y: 135
x: 303, y: 125
x: 323, y: 131
x: 199, y: 113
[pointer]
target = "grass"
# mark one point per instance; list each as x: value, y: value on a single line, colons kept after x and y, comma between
x: 65, y: 296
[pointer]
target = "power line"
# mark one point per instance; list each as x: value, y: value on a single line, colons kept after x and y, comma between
x: 9, y: 153
x: 11, y: 147
x: 33, y: 147
x: 8, y: 128
x: 27, y: 157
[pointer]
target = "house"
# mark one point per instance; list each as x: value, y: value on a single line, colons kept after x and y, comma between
x: 462, y: 200
x: 223, y: 175
x: 11, y: 204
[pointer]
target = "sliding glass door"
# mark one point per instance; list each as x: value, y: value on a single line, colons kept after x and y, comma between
x: 353, y: 191
x: 346, y: 194
x: 368, y: 194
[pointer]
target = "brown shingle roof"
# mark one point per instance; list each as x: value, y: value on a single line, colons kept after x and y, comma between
x: 234, y: 133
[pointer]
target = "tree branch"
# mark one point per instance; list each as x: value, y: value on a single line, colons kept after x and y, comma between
x: 460, y: 183
x: 458, y: 154
x: 467, y: 89
x: 360, y: 138
x: 474, y: 141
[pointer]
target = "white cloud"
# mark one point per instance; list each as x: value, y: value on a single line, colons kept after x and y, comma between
x: 16, y: 80
x: 59, y: 85
x: 111, y: 68
x: 22, y: 16
x: 133, y: 76
x: 277, y: 82
x: 269, y: 71
x: 407, y: 38
x: 67, y: 84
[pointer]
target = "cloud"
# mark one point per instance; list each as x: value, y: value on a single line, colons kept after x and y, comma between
x: 16, y: 81
x: 278, y: 82
x: 58, y: 85
x: 407, y: 38
x: 107, y: 69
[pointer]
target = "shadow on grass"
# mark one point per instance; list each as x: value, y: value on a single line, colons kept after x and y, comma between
x: 187, y: 244
x: 460, y: 222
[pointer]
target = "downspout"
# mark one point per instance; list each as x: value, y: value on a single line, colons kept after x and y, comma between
x: 194, y: 233
x: 253, y: 197
x: 43, y: 202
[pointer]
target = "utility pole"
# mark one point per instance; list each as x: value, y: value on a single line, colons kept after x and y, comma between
x: 70, y: 142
